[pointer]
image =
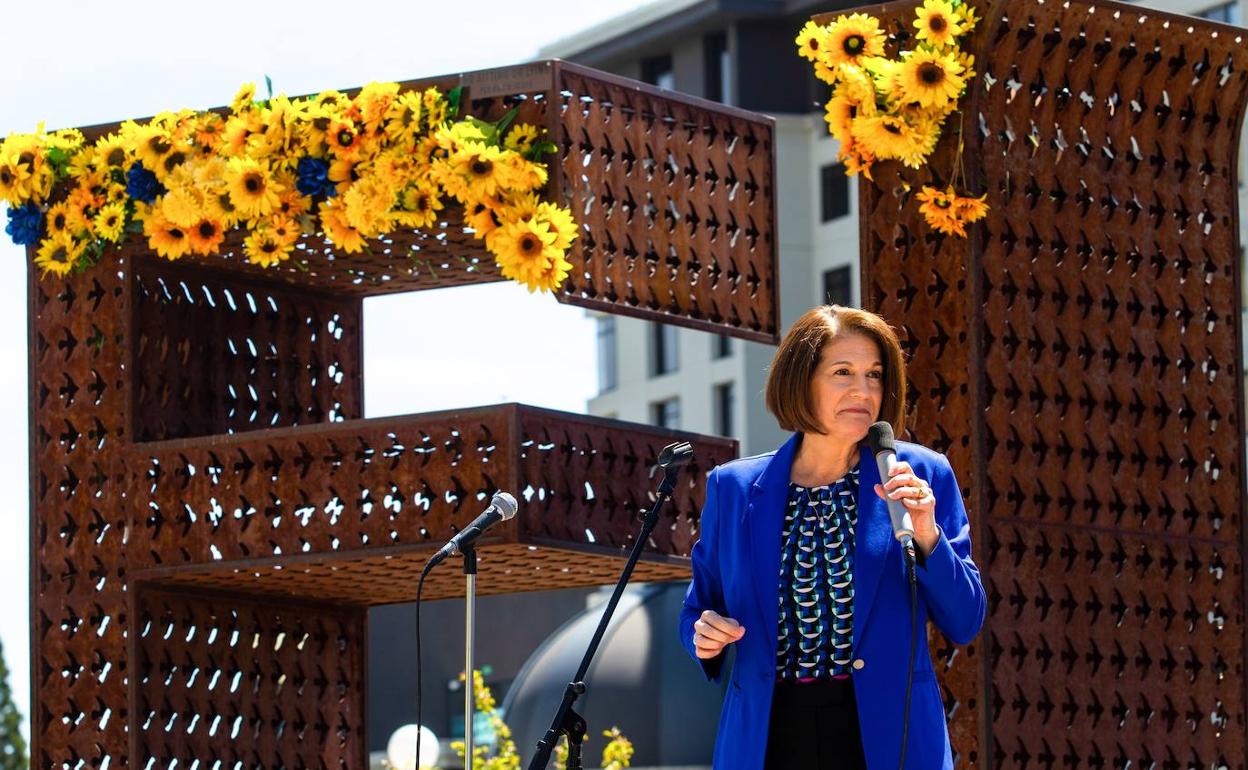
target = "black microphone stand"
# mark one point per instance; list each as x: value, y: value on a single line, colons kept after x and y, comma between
x: 567, y: 721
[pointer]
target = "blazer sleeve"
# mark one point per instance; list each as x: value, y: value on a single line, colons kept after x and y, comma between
x: 706, y: 592
x: 948, y: 577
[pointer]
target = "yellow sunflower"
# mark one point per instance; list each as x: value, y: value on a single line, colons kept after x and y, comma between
x: 852, y: 39
x: 937, y: 208
x: 182, y: 206
x: 110, y: 223
x: 520, y: 173
x: 263, y: 249
x: 251, y: 187
x: 345, y: 138
x: 966, y: 12
x: 521, y: 137
x: 209, y: 130
x: 58, y: 254
x: 14, y: 179
x: 886, y: 137
x: 482, y: 169
x: 420, y: 208
x: 524, y: 248
x: 970, y: 209
x: 284, y: 229
x: 561, y: 222
x: 403, y: 122
x: 343, y: 173
x: 244, y: 99
x: 292, y: 203
x: 206, y: 236
x: 60, y: 219
x: 151, y: 145
x: 435, y: 108
x: 110, y: 154
x: 342, y: 235
x: 165, y: 238
x: 236, y: 134
x: 856, y: 159
x: 367, y: 206
x: 374, y: 101
x: 810, y: 41
x: 938, y: 23
x: 931, y: 79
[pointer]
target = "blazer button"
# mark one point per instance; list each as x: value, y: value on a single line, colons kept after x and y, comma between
x: 859, y: 664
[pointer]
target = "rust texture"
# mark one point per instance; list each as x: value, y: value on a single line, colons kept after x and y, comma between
x: 208, y: 505
x: 1078, y: 359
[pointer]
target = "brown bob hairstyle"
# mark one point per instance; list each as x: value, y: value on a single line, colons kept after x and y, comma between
x: 789, y: 395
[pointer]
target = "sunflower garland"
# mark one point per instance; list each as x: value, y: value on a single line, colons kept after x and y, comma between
x: 354, y: 169
x: 883, y: 108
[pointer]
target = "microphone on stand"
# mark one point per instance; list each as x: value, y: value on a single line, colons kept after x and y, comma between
x: 502, y: 508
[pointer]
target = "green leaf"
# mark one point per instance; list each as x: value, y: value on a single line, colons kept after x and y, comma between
x: 544, y: 147
x: 59, y: 160
x: 452, y: 99
x: 268, y: 84
x: 503, y: 122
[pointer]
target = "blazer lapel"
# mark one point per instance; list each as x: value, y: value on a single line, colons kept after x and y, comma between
x: 764, y: 519
x: 873, y: 542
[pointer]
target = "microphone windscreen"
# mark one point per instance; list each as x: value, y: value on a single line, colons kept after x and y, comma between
x: 505, y: 504
x: 880, y: 437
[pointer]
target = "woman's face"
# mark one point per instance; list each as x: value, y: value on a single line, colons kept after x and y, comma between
x: 848, y: 386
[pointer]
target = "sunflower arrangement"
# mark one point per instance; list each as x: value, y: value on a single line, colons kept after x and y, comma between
x: 885, y: 108
x: 351, y: 168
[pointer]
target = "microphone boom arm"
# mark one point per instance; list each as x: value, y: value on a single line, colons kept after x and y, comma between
x: 567, y: 721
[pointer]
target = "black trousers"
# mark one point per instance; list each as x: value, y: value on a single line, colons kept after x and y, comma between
x: 814, y: 726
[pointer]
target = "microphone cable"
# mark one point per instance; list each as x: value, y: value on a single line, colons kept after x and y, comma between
x: 420, y: 586
x: 908, y: 550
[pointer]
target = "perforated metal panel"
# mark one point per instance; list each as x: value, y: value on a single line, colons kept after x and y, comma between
x: 1079, y: 360
x: 199, y: 468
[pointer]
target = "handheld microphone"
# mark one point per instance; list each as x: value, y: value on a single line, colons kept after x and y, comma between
x: 502, y: 508
x: 884, y: 448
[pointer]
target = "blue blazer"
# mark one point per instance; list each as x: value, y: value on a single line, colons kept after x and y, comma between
x: 736, y: 572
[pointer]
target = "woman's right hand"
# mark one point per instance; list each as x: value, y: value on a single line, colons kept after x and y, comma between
x: 713, y: 632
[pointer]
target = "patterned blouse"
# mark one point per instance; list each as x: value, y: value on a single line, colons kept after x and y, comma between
x: 817, y: 580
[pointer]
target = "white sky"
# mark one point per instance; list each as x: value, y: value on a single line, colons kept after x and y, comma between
x: 78, y: 62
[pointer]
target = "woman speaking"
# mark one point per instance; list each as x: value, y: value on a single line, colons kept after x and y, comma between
x: 798, y: 570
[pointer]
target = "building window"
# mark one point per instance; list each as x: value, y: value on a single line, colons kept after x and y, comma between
x: 837, y: 287
x: 724, y: 407
x: 666, y: 414
x: 1227, y: 13
x: 717, y: 66
x: 663, y: 351
x: 608, y: 375
x: 834, y: 192
x: 657, y: 70
x: 721, y: 346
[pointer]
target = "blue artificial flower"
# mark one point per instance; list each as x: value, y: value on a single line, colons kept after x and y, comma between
x: 25, y: 224
x: 314, y: 178
x: 142, y: 185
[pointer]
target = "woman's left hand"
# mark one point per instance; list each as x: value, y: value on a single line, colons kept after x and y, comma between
x: 917, y: 496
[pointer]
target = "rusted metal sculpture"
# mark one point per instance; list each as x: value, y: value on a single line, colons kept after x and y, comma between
x: 1079, y: 360
x: 210, y: 515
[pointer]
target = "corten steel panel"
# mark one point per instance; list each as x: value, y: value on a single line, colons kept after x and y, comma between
x: 675, y: 195
x: 230, y: 679
x: 367, y: 501
x: 215, y: 354
x: 1079, y: 361
x: 243, y: 387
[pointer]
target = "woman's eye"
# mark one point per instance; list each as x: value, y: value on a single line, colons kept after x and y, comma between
x: 877, y: 375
